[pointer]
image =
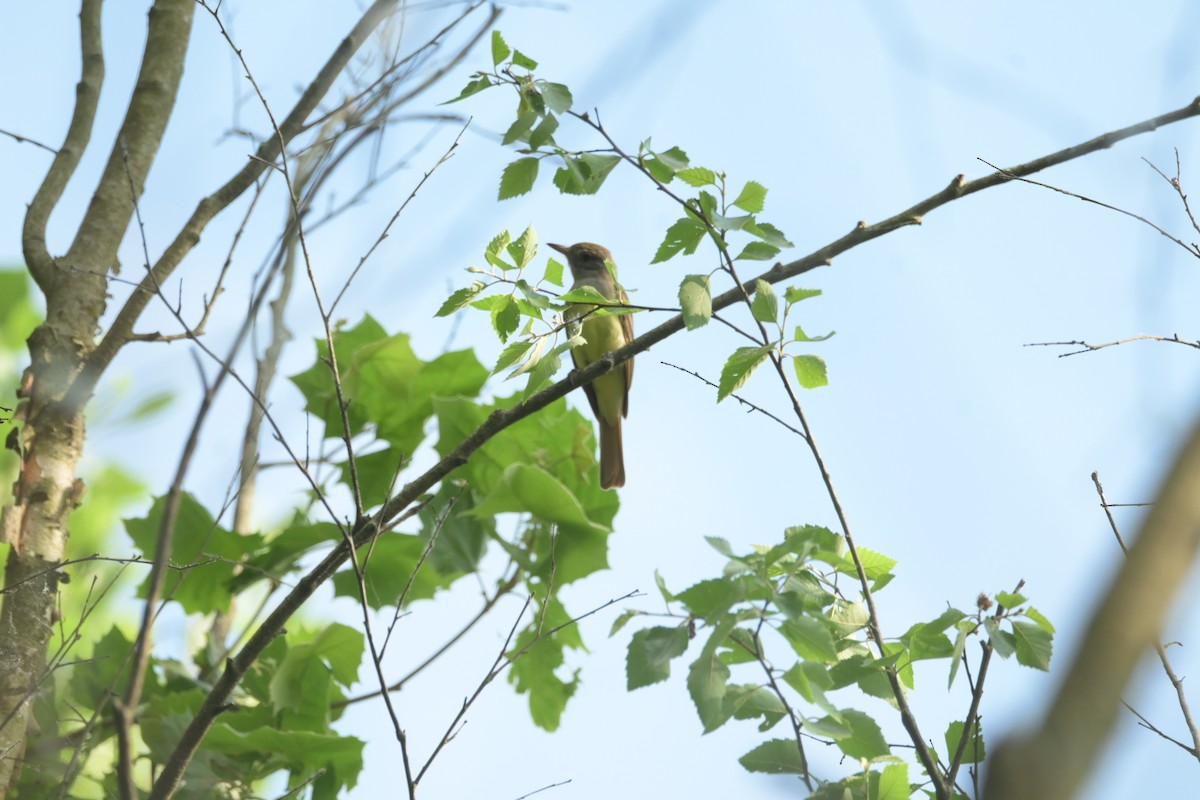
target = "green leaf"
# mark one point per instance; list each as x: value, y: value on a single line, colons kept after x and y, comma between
x: 537, y: 663
x: 775, y: 757
x: 524, y: 248
x: 1003, y: 641
x: 584, y: 174
x: 519, y: 130
x: 757, y: 251
x: 198, y: 542
x: 684, y: 236
x: 512, y: 354
x: 529, y: 489
x: 500, y: 49
x: 765, y: 304
x: 768, y: 233
x: 650, y: 652
x: 660, y: 582
x: 554, y: 272
x: 810, y: 639
x: 811, y: 681
x: 518, y: 178
x: 975, y: 751
x: 522, y: 60
x: 810, y: 371
x: 697, y: 176
x: 506, y: 316
x: 707, y: 679
x: 1009, y: 600
x: 474, y: 87
x: 621, y: 621
x: 739, y: 367
x: 543, y: 133
x: 721, y: 545
x: 794, y: 294
x: 392, y: 565
x: 865, y: 740
x: 494, y: 249
x: 1041, y: 621
x: 752, y: 197
x: 695, y: 299
x: 1034, y: 645
x: 711, y: 598
x: 893, y: 783
x: 801, y: 336
x: 748, y: 701
x: 557, y: 96
x: 674, y: 158
x: 544, y: 369
x: 964, y: 628
x: 460, y: 299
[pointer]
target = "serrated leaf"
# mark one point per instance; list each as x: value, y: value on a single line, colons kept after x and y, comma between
x: 674, y: 158
x: 752, y: 197
x: 666, y: 593
x: 801, y: 336
x: 522, y: 60
x: 524, y: 248
x: 810, y: 371
x: 765, y: 304
x: 695, y: 299
x: 459, y: 299
x: 721, y: 545
x: 794, y: 294
x: 697, y: 176
x: 707, y: 679
x: 866, y: 740
x: 1041, y: 621
x: 1034, y: 645
x: 519, y: 130
x: 554, y: 272
x: 492, y: 252
x: 1009, y: 600
x: 518, y: 178
x: 474, y: 87
x: 775, y: 757
x: 621, y: 621
x: 811, y: 640
x: 505, y: 317
x: 557, y: 96
x: 543, y: 133
x: 648, y: 660
x: 893, y: 783
x: 757, y: 251
x: 584, y: 174
x: 500, y: 49
x: 975, y: 751
x: 684, y: 235
x: 543, y: 371
x: 511, y: 355
x: 768, y: 233
x: 739, y: 367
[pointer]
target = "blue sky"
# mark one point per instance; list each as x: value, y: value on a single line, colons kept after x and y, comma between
x: 956, y: 450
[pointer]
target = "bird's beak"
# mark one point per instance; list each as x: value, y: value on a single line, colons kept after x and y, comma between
x: 560, y: 248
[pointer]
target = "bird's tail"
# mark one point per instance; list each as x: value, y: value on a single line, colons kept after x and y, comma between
x: 612, y: 456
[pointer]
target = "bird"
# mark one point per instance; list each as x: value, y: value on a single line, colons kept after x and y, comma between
x: 608, y: 394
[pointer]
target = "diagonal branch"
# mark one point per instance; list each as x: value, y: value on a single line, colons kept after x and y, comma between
x: 216, y: 702
x: 121, y: 329
x: 87, y: 97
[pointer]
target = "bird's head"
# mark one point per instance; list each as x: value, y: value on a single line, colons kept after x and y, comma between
x: 585, y: 258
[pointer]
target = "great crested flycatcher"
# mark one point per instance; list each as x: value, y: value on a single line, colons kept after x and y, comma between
x: 608, y: 394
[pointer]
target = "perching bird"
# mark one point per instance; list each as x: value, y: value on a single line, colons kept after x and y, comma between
x: 608, y: 394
